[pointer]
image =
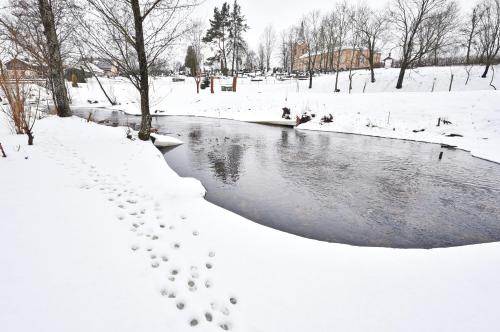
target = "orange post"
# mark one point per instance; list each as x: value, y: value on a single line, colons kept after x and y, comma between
x: 235, y: 80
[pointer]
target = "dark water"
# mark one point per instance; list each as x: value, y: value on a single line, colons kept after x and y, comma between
x: 339, y: 188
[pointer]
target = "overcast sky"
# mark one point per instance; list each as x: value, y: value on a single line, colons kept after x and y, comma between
x: 281, y: 13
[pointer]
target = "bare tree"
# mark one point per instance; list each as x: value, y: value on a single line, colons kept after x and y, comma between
x: 470, y: 31
x: 408, y: 17
x: 55, y: 64
x: 268, y: 39
x: 342, y: 19
x: 251, y: 62
x: 195, y: 38
x: 489, y: 32
x: 261, y: 57
x: 445, y: 26
x: 17, y: 90
x: 330, y: 28
x: 285, y: 51
x: 292, y: 40
x: 371, y: 26
x: 133, y: 35
x: 41, y: 28
x: 310, y: 29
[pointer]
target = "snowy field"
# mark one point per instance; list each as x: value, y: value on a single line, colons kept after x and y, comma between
x: 102, y: 235
x: 472, y: 109
x: 99, y: 234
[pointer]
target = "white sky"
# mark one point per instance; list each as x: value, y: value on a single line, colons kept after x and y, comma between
x: 282, y: 13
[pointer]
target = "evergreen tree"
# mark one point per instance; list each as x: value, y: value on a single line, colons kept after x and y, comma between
x: 191, y: 61
x: 218, y: 35
x: 236, y: 29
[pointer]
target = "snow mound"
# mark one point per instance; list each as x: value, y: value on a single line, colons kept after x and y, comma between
x: 163, y: 141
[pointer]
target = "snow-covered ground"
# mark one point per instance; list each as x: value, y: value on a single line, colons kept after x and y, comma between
x: 472, y: 109
x: 97, y: 233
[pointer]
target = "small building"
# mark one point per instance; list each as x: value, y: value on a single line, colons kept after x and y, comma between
x: 89, y: 68
x: 388, y: 62
x: 24, y: 69
x: 108, y: 68
x: 327, y: 61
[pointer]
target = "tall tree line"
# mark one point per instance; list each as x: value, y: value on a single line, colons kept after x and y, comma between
x: 419, y: 32
x: 226, y: 36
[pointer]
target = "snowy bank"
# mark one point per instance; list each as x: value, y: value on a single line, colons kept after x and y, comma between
x: 472, y: 109
x: 99, y: 234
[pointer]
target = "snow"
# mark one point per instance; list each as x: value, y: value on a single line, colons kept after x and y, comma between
x: 98, y: 233
x: 163, y: 141
x: 90, y: 216
x: 473, y: 109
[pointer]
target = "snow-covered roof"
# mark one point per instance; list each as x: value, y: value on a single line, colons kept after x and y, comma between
x: 86, y: 64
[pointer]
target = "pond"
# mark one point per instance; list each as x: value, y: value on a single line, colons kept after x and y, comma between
x: 341, y: 188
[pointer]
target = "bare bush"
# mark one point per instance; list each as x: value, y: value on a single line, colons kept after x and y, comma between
x: 18, y: 91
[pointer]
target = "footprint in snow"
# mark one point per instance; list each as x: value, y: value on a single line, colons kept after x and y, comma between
x: 192, y: 286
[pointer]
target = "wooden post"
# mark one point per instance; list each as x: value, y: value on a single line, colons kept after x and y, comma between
x: 212, y: 85
x: 197, y: 79
x: 451, y: 82
x: 235, y: 80
x: 364, y: 88
x: 433, y: 84
x: 439, y: 122
x: 441, y: 155
x: 3, y: 152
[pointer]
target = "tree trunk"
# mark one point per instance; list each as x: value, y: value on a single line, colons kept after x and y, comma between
x: 197, y: 79
x: 145, y: 129
x: 112, y: 102
x: 31, y: 138
x: 234, y: 57
x: 467, y: 57
x: 55, y: 65
x: 337, y: 73
x: 485, y: 74
x: 401, y: 77
x: 310, y: 79
x: 3, y: 152
x: 372, y: 65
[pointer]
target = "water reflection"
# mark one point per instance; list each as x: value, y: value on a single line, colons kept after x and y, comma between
x: 225, y: 161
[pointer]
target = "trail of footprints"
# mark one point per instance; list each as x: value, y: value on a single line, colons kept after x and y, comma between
x: 187, y: 276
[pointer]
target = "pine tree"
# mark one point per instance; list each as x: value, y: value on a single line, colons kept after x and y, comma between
x: 218, y: 35
x: 236, y: 30
x: 191, y: 61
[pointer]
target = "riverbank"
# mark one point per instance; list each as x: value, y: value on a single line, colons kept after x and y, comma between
x: 99, y: 234
x: 470, y: 112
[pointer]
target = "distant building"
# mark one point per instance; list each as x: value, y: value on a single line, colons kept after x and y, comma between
x: 325, y: 61
x: 89, y: 68
x: 97, y: 66
x: 388, y: 62
x: 24, y: 69
x: 108, y: 67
